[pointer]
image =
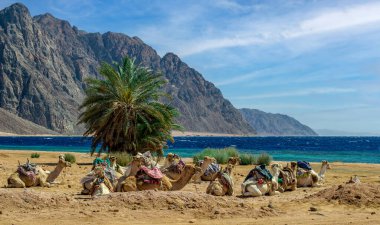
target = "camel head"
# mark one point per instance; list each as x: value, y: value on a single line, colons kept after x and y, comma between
x: 170, y: 158
x: 234, y: 161
x: 275, y: 167
x: 208, y: 160
x: 326, y: 163
x: 113, y: 160
x: 228, y: 169
x: 62, y: 162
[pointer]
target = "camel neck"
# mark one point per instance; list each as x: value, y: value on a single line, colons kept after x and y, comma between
x: 183, y: 180
x: 322, y: 171
x: 55, y: 173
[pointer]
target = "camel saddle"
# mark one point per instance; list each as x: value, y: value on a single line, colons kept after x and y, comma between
x: 151, y: 176
x: 304, y: 165
x: 260, y: 170
x: 177, y: 167
x: 287, y: 176
x: 228, y: 182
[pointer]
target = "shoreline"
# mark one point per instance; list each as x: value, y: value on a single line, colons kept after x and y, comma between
x: 174, y: 133
x: 186, y: 159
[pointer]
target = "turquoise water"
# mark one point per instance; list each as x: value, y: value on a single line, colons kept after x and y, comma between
x: 313, y: 149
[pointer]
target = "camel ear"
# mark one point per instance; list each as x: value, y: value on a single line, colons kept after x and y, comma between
x: 19, y: 162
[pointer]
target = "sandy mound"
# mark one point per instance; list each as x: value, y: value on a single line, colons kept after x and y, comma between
x: 199, y: 205
x: 352, y: 194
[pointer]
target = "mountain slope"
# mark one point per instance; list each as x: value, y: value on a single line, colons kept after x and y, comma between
x: 44, y: 62
x: 11, y: 123
x: 275, y: 124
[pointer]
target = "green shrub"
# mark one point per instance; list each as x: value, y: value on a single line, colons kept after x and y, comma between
x: 264, y: 158
x: 35, y: 155
x: 123, y: 158
x: 70, y: 158
x: 221, y: 155
x: 247, y: 159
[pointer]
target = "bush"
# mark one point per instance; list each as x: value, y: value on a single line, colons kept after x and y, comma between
x: 70, y: 158
x: 123, y: 158
x: 221, y: 155
x: 247, y: 159
x: 264, y: 158
x: 35, y: 155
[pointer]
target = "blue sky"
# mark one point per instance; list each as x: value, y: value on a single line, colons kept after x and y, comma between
x: 318, y: 61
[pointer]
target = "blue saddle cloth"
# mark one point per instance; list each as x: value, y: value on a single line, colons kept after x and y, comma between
x: 304, y: 165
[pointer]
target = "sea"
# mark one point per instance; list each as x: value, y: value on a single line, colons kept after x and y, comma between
x: 312, y: 149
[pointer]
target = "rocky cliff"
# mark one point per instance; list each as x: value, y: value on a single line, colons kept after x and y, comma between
x: 44, y: 62
x: 275, y: 124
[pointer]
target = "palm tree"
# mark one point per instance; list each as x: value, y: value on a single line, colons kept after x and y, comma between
x: 122, y: 111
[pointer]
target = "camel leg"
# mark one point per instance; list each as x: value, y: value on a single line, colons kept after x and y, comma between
x: 42, y: 182
x: 253, y: 190
x: 15, y: 182
x: 215, y: 189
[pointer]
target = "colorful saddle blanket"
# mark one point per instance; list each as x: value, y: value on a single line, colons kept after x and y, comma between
x: 227, y: 180
x: 262, y: 170
x: 154, y: 173
x: 177, y: 167
x: 304, y: 165
x: 211, y: 169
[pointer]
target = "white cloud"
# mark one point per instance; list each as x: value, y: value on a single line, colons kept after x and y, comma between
x: 247, y: 31
x: 305, y: 92
x: 337, y: 19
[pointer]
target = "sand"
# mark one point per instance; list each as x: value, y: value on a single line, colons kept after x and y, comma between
x: 335, y: 202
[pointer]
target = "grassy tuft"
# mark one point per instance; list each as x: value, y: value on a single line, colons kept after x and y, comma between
x: 247, y: 159
x: 123, y: 158
x: 35, y: 155
x: 221, y: 155
x: 264, y: 158
x: 70, y: 158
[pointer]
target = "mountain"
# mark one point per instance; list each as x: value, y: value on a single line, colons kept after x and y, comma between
x: 10, y: 123
x: 44, y: 62
x: 275, y: 124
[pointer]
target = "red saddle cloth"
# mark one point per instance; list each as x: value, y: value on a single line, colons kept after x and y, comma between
x: 154, y: 173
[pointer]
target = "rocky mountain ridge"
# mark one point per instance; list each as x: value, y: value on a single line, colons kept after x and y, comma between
x: 44, y: 61
x: 275, y: 124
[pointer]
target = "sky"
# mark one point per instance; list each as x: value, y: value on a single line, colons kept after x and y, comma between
x: 317, y: 61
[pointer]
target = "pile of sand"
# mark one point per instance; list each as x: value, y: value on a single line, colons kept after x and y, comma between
x: 361, y: 194
x: 199, y: 205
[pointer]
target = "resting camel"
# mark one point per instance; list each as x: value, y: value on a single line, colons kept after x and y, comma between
x: 257, y: 185
x: 311, y: 178
x: 131, y: 183
x: 206, y: 162
x: 287, y: 177
x: 224, y: 184
x: 40, y: 177
x: 173, y: 166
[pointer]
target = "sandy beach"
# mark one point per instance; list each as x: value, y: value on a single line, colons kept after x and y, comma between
x: 62, y: 204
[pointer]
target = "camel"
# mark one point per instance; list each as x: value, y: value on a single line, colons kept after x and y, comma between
x: 131, y: 183
x: 206, y: 162
x: 38, y: 177
x: 287, y: 177
x: 212, y: 175
x: 224, y: 184
x: 101, y: 185
x: 256, y: 184
x: 173, y: 166
x: 311, y: 178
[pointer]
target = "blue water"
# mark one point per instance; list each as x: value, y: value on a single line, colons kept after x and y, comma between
x: 343, y: 149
